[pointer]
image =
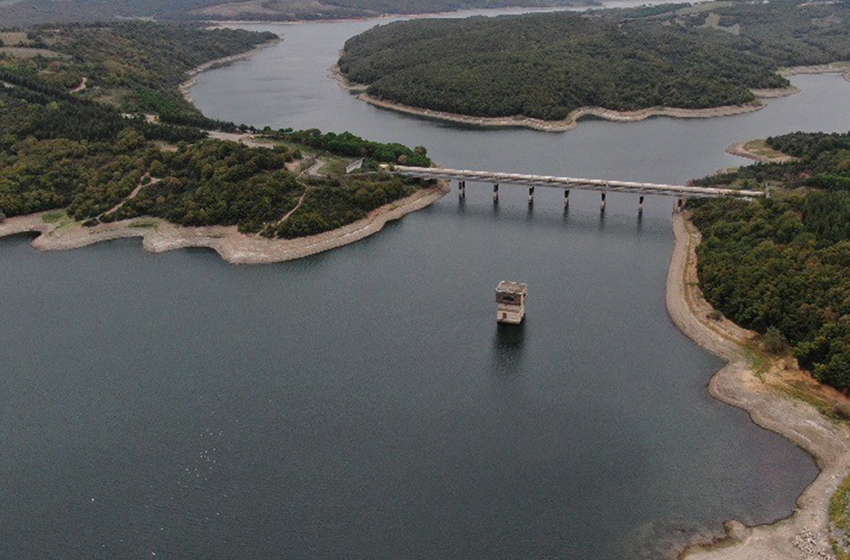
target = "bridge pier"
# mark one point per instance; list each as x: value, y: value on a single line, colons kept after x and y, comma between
x: 680, y: 204
x: 461, y: 189
x: 531, y: 195
x: 640, y: 206
x: 566, y: 198
x: 603, y: 202
x: 495, y: 192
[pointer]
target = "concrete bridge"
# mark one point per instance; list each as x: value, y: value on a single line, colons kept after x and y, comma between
x: 681, y: 192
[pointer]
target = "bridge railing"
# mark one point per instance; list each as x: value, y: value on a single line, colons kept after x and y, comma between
x: 497, y: 178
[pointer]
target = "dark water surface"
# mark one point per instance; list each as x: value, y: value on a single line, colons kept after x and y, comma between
x: 362, y: 403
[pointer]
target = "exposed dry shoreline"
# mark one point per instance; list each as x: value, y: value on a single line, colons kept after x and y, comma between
x: 806, y: 533
x: 234, y: 247
x: 573, y: 118
x: 743, y: 149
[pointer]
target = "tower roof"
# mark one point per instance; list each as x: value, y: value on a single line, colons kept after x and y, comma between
x: 506, y: 287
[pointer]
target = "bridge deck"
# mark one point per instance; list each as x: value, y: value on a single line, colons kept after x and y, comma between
x: 682, y: 191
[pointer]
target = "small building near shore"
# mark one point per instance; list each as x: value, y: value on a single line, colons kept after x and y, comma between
x: 510, y: 298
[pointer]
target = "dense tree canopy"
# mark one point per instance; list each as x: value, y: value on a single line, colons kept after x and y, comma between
x: 29, y: 12
x: 784, y: 263
x: 77, y: 150
x: 547, y: 65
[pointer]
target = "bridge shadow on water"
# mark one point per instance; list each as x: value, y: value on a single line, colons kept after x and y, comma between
x: 552, y: 214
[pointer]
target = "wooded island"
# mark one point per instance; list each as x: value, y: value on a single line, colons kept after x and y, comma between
x: 546, y: 66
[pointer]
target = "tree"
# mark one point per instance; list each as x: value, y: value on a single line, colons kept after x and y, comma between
x: 774, y: 342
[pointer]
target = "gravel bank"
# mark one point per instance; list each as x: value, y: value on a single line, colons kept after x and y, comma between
x: 234, y: 247
x: 804, y: 535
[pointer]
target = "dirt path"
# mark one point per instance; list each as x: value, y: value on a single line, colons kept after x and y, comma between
x: 82, y: 87
x: 134, y: 193
x: 294, y: 210
x: 313, y: 171
x: 805, y: 534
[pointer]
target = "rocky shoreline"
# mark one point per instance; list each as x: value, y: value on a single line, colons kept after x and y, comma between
x: 806, y: 533
x: 571, y: 121
x: 238, y: 248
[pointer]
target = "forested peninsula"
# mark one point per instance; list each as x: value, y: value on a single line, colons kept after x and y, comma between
x: 94, y: 131
x: 551, y: 65
x: 779, y: 266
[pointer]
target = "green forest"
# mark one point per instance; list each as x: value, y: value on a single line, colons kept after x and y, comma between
x: 547, y: 65
x: 782, y: 265
x: 82, y: 152
x: 35, y: 12
x: 133, y: 67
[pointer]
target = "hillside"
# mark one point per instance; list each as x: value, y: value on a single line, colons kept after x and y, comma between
x: 98, y: 129
x: 133, y: 67
x: 546, y: 65
x: 33, y: 12
x: 782, y: 265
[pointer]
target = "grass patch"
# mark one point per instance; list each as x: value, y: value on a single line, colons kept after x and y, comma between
x: 761, y: 149
x: 144, y: 224
x: 334, y: 166
x: 704, y: 7
x: 759, y: 361
x: 54, y: 217
x: 12, y: 38
x: 839, y: 517
x: 759, y: 364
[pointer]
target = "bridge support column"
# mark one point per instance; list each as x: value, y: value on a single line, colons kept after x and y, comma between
x: 640, y: 206
x: 531, y: 195
x: 603, y: 202
x: 566, y: 198
x: 495, y: 192
x: 680, y: 203
x: 461, y: 189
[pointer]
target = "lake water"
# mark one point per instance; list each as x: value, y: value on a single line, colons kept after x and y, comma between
x: 363, y: 403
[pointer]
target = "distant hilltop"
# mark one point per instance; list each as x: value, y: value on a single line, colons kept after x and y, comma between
x: 17, y: 13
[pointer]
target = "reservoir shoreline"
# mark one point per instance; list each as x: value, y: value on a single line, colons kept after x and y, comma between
x: 761, y: 395
x: 159, y: 236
